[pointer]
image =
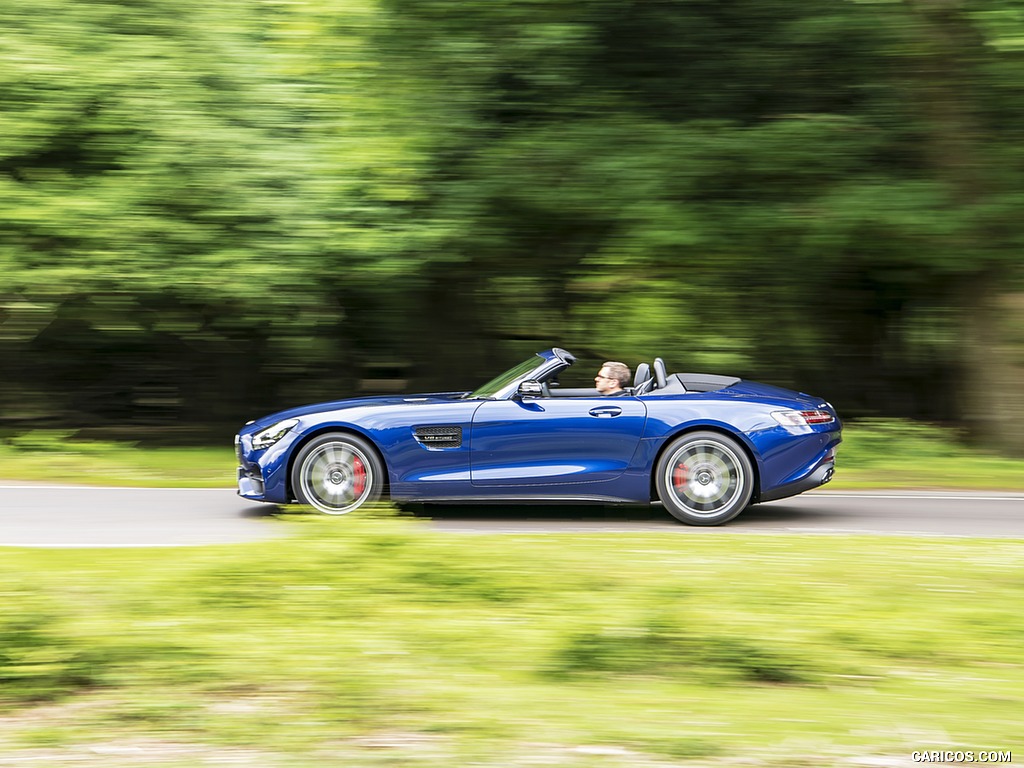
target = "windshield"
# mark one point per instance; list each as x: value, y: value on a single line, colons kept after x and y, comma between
x: 498, y: 383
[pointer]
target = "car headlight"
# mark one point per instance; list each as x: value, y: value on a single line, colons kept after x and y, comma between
x: 273, y: 433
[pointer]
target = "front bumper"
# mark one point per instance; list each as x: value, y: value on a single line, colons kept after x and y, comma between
x: 250, y: 484
x: 250, y: 476
x: 261, y: 472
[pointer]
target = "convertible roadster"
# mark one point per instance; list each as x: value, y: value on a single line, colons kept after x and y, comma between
x: 705, y: 446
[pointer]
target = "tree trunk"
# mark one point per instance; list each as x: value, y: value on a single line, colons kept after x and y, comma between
x: 994, y: 357
x: 948, y: 83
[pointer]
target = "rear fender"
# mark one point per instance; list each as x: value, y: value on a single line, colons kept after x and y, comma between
x: 744, y: 442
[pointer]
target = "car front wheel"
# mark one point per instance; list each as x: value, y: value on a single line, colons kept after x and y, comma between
x: 704, y: 478
x: 337, y: 473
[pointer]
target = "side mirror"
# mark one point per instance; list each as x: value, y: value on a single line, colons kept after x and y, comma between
x: 530, y: 389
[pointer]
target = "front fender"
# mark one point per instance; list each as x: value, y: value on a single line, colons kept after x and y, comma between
x: 275, y: 462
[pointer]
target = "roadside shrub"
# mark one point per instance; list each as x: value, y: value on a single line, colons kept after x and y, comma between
x: 662, y: 650
x: 61, y: 441
x: 37, y: 662
x: 41, y: 441
x: 45, y: 654
x: 881, y: 441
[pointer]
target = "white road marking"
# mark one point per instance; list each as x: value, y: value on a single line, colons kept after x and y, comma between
x: 883, y: 532
x: 907, y: 495
x: 105, y: 488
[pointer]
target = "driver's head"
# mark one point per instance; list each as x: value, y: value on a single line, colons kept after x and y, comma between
x: 612, y: 377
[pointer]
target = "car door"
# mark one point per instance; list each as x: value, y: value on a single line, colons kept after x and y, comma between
x: 554, y: 441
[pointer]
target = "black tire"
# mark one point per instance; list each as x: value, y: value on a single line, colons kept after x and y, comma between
x: 337, y: 473
x: 704, y: 478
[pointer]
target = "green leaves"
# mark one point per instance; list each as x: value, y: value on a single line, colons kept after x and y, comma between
x: 691, y: 179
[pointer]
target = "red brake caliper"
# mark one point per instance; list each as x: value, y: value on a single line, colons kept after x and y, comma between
x: 358, y: 476
x: 679, y: 476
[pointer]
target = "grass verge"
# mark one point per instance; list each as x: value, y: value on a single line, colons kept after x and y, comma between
x: 886, y: 453
x: 875, y: 454
x: 378, y: 642
x: 55, y: 456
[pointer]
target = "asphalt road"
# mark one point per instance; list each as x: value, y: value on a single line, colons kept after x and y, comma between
x: 62, y: 516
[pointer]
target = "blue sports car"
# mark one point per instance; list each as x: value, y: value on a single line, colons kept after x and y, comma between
x: 705, y: 446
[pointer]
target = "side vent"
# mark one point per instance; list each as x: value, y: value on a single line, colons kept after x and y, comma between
x: 438, y: 437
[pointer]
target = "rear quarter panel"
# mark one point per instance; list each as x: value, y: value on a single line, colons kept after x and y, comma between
x: 779, y: 456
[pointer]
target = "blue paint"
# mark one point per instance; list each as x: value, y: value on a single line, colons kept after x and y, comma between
x: 538, y: 448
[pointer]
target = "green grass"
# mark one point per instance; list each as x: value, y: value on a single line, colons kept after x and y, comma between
x: 54, y: 456
x: 890, y: 453
x: 875, y: 454
x: 372, y: 641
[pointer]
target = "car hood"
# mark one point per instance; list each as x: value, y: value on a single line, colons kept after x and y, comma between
x: 352, y: 402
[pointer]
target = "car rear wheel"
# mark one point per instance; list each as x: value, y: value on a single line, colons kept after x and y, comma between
x: 704, y: 478
x: 337, y: 473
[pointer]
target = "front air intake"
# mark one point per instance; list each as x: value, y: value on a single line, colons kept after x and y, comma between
x: 438, y: 437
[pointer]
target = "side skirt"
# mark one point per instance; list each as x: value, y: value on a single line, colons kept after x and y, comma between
x: 532, y: 499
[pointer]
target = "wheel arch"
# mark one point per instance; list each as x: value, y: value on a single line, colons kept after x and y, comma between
x: 737, y: 437
x: 342, y: 429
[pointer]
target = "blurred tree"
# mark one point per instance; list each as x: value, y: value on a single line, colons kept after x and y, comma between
x: 158, y: 209
x: 822, y: 194
x: 790, y: 191
x: 967, y: 64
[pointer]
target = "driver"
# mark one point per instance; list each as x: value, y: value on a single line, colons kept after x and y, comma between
x: 612, y: 378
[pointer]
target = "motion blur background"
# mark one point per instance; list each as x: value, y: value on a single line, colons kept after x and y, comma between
x: 213, y: 209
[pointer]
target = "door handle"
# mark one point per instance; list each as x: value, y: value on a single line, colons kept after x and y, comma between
x: 606, y: 411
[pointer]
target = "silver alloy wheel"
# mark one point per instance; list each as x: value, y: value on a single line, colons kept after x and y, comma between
x: 336, y: 478
x: 705, y: 476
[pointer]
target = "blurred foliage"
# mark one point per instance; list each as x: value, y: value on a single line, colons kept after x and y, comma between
x: 218, y: 207
x: 52, y: 441
x: 667, y: 649
x: 64, y: 456
x: 36, y: 661
x: 504, y: 648
x: 898, y: 453
x: 873, y: 442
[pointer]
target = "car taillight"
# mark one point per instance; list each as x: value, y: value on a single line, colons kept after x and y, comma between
x: 817, y: 417
x: 799, y: 422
